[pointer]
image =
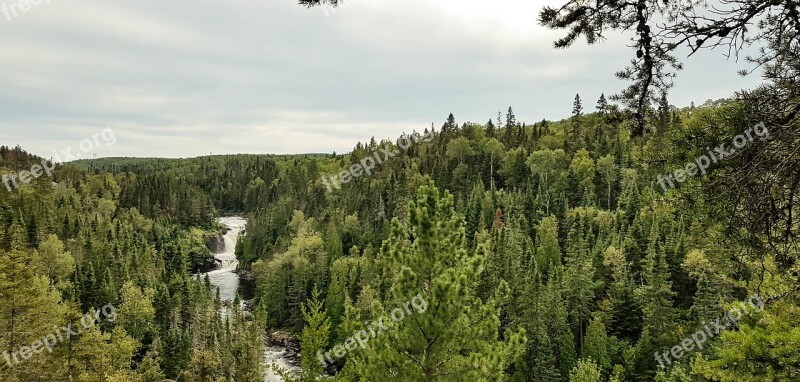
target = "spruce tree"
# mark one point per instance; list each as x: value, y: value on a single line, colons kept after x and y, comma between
x: 596, y: 345
x: 574, y: 138
x: 561, y: 336
x: 539, y: 363
x: 577, y: 107
x: 602, y: 105
x: 490, y: 129
x: 655, y: 297
x: 511, y: 124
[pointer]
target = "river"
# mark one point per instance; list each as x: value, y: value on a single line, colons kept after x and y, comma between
x: 227, y: 280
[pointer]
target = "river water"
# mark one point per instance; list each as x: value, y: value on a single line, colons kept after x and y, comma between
x: 227, y: 280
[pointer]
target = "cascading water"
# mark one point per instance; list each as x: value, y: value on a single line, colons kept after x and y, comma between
x: 226, y: 279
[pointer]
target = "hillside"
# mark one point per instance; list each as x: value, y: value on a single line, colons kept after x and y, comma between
x: 587, y: 248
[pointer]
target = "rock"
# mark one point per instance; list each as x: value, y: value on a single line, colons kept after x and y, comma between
x: 215, y: 243
x: 282, y: 337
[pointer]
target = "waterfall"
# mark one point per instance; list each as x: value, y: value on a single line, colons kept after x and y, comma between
x: 226, y: 279
x: 227, y: 258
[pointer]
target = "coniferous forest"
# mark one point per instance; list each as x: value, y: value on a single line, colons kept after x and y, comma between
x: 596, y: 248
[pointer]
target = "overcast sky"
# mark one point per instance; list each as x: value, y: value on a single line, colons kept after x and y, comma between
x: 182, y: 78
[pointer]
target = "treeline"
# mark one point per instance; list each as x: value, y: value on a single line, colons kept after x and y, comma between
x: 573, y: 242
x: 545, y: 251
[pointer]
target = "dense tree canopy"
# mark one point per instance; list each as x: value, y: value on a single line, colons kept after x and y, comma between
x: 547, y: 251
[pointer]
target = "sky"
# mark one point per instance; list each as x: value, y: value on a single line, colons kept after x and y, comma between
x: 184, y: 78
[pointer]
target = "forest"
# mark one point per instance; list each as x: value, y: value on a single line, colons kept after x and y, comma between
x: 544, y: 252
x: 633, y: 240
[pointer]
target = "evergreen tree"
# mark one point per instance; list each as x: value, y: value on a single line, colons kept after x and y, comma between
x: 656, y: 300
x: 596, y: 345
x: 579, y: 282
x: 511, y: 124
x: 558, y: 324
x: 539, y: 363
x: 620, y: 308
x: 577, y: 107
x: 313, y: 342
x: 490, y: 129
x: 764, y: 348
x: 602, y: 105
x: 452, y: 334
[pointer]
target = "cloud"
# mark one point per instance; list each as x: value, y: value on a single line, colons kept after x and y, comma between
x: 184, y: 78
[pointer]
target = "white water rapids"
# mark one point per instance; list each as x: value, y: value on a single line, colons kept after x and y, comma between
x: 226, y: 279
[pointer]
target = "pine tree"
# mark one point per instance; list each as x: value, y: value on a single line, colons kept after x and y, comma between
x: 451, y: 332
x: 763, y: 348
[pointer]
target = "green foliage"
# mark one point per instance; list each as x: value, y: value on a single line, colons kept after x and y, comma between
x: 596, y: 345
x: 553, y: 246
x: 453, y: 335
x: 315, y: 337
x: 585, y: 371
x: 764, y: 349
